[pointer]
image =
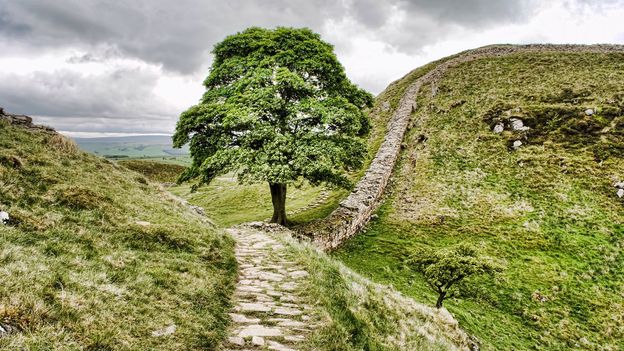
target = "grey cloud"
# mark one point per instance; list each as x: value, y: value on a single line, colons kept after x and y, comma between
x: 180, y: 35
x: 79, y: 102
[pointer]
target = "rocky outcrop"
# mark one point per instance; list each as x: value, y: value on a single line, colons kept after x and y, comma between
x: 22, y: 121
x: 355, y: 211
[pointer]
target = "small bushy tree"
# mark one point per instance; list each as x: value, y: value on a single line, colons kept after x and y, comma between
x: 278, y: 107
x: 445, y: 269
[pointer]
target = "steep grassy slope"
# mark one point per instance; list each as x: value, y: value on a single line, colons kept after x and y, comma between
x: 547, y: 210
x: 96, y: 258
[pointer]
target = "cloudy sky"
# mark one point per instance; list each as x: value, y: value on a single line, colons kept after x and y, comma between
x: 96, y: 67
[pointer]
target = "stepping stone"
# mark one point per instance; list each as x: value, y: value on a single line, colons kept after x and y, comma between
x: 289, y: 286
x: 254, y: 307
x: 299, y: 274
x: 239, y: 318
x: 259, y: 330
x: 294, y: 338
x: 249, y: 288
x: 274, y: 345
x: 291, y: 323
x: 236, y: 340
x: 257, y: 340
x: 287, y: 311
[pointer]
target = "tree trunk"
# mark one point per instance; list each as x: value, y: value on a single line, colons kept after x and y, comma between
x: 440, y: 299
x: 278, y: 196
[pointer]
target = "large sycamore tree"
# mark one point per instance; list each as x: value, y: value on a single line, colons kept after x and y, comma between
x: 278, y: 108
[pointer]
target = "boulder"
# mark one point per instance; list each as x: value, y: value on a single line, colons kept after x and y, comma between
x: 517, y: 144
x: 589, y: 112
x: 620, y: 193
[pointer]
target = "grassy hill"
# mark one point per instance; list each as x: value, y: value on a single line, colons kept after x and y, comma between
x: 546, y: 208
x: 95, y: 257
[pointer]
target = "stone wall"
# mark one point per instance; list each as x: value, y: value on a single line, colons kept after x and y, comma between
x: 355, y: 210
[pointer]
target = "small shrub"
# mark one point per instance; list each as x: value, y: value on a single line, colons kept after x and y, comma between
x: 445, y: 269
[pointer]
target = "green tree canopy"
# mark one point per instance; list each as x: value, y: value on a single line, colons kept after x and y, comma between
x: 278, y: 107
x: 445, y: 269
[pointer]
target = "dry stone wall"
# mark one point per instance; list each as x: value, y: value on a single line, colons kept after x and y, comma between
x: 355, y: 211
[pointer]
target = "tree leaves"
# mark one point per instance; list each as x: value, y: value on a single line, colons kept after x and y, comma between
x: 278, y: 107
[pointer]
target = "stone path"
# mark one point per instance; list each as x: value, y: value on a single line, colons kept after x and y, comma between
x: 269, y: 312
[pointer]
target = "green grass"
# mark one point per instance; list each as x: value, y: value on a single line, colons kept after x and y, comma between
x: 358, y: 315
x: 97, y: 258
x: 548, y: 211
x: 228, y: 203
x: 155, y: 170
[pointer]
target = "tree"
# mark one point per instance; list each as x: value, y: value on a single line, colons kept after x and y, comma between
x: 445, y: 269
x: 278, y: 108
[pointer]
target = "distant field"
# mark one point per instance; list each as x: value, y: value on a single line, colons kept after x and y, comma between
x: 140, y: 146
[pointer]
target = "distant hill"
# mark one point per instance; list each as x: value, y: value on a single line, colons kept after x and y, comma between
x: 131, y: 146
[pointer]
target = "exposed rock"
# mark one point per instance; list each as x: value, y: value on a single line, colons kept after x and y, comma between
x: 164, y: 331
x: 4, y: 217
x: 518, y: 125
x: 498, y: 128
x: 517, y: 144
x: 143, y: 223
x: 619, y: 185
x: 23, y: 121
x: 589, y: 112
x: 5, y: 330
x: 620, y: 193
x: 385, y: 107
x: 199, y: 210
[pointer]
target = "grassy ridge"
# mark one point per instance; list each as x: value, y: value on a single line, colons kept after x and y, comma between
x: 96, y: 258
x: 548, y: 210
x: 361, y: 315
